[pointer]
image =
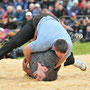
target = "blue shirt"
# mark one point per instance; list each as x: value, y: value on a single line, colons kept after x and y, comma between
x: 48, y: 31
x: 75, y: 10
x: 19, y: 16
x: 36, y: 12
x: 2, y: 12
x: 17, y: 3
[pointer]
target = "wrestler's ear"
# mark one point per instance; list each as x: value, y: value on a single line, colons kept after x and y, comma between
x: 45, y: 69
x: 53, y: 48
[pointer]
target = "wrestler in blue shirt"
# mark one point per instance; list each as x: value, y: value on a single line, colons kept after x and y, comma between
x: 48, y: 31
x: 50, y: 35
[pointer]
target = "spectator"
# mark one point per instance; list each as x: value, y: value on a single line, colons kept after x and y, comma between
x: 2, y: 11
x: 28, y: 17
x: 85, y: 22
x: 65, y: 2
x: 12, y: 23
x: 55, y: 11
x: 88, y: 29
x: 51, y: 8
x: 19, y: 2
x: 71, y: 22
x: 45, y: 10
x: 57, y: 5
x: 83, y: 10
x: 70, y: 4
x: 31, y: 7
x: 27, y: 3
x: 77, y: 27
x: 81, y: 2
x: 37, y: 9
x: 88, y: 8
x: 8, y: 12
x: 63, y: 22
x: 19, y: 14
x: 5, y: 22
x: 84, y: 25
x: 44, y: 3
x: 61, y: 11
x: 6, y: 3
x: 75, y: 8
x: 9, y: 23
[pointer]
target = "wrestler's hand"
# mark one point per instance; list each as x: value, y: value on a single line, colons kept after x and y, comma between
x: 25, y: 63
x: 28, y: 71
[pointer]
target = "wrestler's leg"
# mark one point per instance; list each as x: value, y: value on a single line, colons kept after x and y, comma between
x: 19, y: 39
x: 77, y: 63
x: 70, y: 60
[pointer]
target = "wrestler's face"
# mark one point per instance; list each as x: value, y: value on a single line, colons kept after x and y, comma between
x: 40, y: 73
x: 59, y: 54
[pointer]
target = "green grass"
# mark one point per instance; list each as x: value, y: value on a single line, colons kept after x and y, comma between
x: 81, y: 48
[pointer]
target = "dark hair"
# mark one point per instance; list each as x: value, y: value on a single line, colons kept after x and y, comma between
x: 51, y: 75
x: 61, y: 45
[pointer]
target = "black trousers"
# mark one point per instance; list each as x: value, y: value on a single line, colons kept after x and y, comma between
x: 70, y: 60
x: 21, y: 38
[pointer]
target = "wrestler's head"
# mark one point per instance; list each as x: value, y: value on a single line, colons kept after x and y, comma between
x: 60, y: 47
x: 44, y: 74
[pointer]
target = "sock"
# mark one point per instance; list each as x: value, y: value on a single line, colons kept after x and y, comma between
x: 79, y: 64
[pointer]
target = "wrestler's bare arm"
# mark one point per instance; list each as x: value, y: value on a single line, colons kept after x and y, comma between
x: 27, y: 53
x: 60, y: 62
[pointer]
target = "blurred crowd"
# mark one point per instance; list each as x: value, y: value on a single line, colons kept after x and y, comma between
x: 74, y: 15
x: 21, y: 11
